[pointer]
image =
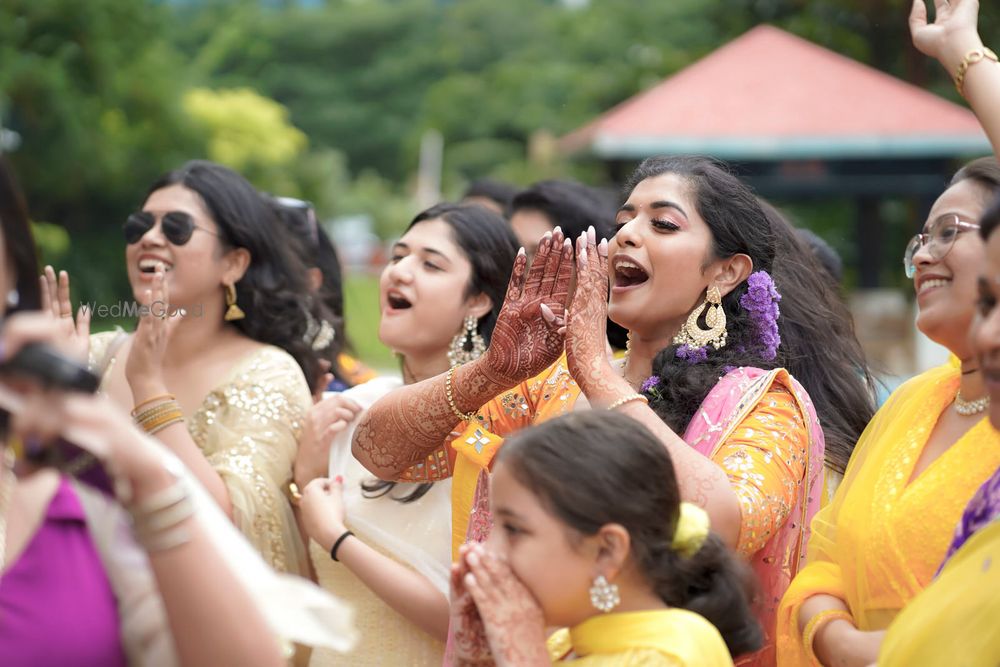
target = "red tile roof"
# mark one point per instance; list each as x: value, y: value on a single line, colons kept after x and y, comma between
x: 770, y: 94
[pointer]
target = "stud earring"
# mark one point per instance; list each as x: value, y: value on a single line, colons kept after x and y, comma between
x: 468, y: 345
x: 692, y: 335
x: 233, y: 312
x: 604, y: 595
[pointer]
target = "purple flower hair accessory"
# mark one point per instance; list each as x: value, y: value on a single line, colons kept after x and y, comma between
x: 649, y: 383
x: 692, y: 355
x: 761, y: 302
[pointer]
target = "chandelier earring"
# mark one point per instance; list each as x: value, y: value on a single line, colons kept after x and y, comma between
x: 693, y: 335
x: 604, y: 595
x: 468, y: 345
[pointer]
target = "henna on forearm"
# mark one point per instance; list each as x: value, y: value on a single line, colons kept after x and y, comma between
x: 405, y: 426
x: 408, y: 424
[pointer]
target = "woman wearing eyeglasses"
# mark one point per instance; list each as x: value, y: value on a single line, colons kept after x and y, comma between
x: 219, y: 368
x: 915, y: 467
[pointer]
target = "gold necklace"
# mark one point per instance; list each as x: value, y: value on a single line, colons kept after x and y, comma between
x: 7, y: 482
x: 969, y: 408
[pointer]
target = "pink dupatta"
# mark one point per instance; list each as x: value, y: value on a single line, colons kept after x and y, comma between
x: 726, y: 406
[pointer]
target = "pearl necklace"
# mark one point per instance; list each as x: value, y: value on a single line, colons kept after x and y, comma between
x: 7, y: 481
x: 969, y: 408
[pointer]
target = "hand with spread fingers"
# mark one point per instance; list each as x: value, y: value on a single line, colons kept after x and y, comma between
x: 513, y: 619
x: 951, y: 35
x: 144, y: 367
x: 74, y: 334
x: 527, y: 337
x: 586, y: 339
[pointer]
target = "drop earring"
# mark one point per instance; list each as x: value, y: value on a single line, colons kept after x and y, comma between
x: 468, y: 345
x: 692, y: 335
x: 233, y: 312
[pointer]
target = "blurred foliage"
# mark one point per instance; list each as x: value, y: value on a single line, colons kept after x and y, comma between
x: 328, y: 101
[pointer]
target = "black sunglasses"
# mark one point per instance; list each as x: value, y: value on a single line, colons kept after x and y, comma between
x: 177, y: 226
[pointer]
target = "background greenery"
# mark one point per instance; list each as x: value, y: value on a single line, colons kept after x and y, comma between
x: 328, y: 100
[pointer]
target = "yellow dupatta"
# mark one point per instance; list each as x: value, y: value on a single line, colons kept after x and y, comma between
x: 954, y: 621
x: 881, y: 540
x: 551, y: 393
x: 674, y: 637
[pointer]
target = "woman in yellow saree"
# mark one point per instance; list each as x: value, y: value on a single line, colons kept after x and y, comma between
x: 917, y: 464
x: 928, y: 449
x: 954, y: 621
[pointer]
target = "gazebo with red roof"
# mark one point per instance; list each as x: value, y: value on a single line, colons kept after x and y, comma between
x: 799, y: 121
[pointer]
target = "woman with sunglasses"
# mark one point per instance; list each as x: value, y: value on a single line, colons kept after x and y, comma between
x: 220, y: 367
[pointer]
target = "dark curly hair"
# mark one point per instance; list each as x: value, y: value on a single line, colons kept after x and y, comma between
x: 578, y: 464
x: 738, y: 226
x: 273, y: 292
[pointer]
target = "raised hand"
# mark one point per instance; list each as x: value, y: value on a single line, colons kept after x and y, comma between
x: 527, y: 337
x: 953, y: 33
x: 469, y: 642
x: 144, y: 367
x: 586, y: 338
x: 513, y: 619
x: 75, y: 335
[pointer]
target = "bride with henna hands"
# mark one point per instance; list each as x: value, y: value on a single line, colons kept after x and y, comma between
x: 691, y: 268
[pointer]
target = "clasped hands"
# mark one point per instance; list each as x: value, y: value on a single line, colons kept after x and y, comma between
x: 540, y: 318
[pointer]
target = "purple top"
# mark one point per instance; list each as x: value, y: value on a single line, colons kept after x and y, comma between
x: 56, y: 604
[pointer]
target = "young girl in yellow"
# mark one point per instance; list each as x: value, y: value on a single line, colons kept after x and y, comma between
x: 636, y: 581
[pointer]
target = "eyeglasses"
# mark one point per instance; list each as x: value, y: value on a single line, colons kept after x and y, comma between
x: 939, y: 238
x: 177, y: 226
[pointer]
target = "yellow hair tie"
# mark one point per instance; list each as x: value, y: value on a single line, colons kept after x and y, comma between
x: 692, y: 530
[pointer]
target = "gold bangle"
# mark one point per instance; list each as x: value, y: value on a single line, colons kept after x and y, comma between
x: 971, y: 58
x: 153, y: 430
x: 156, y: 410
x: 159, y: 417
x: 135, y: 409
x: 816, y: 624
x: 464, y: 416
x: 628, y: 399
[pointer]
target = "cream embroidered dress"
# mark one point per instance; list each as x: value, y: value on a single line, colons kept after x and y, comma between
x: 416, y: 534
x: 248, y: 427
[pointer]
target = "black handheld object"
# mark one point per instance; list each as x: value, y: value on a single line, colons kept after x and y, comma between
x: 51, y: 369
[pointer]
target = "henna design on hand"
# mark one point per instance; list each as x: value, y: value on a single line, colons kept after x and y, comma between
x: 402, y: 428
x: 524, y: 343
x: 513, y: 619
x: 586, y: 325
x: 469, y: 641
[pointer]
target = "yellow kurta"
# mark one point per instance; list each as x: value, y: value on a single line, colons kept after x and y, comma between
x: 883, y: 537
x: 955, y: 620
x: 248, y: 429
x: 659, y: 638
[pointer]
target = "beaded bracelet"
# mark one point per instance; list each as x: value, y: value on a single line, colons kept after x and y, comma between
x: 815, y: 624
x: 628, y: 399
x: 464, y: 416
